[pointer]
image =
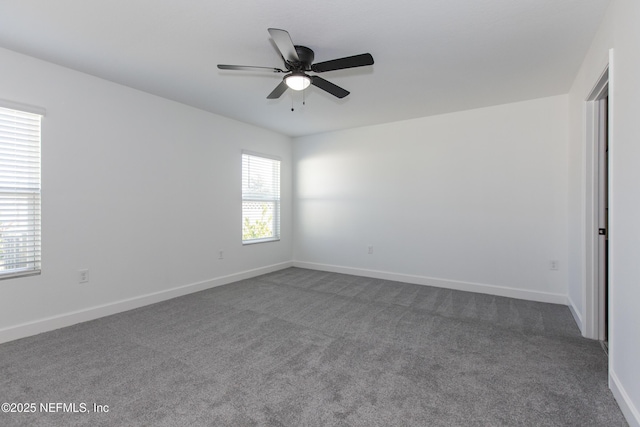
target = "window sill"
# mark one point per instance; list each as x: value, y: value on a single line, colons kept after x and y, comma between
x: 20, y: 274
x: 255, y: 241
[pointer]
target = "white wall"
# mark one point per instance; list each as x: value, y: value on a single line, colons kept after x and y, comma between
x: 473, y: 200
x: 140, y: 190
x: 620, y: 31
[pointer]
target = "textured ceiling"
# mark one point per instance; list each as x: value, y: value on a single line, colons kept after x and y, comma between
x: 431, y: 56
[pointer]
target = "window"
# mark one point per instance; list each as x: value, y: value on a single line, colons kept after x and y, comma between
x: 19, y: 193
x: 260, y: 198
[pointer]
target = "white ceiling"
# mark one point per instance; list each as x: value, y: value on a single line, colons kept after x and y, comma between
x: 431, y: 56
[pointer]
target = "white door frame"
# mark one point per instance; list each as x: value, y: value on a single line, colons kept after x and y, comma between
x: 594, y: 274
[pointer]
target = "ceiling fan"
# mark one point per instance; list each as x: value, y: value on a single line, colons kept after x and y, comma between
x: 297, y: 61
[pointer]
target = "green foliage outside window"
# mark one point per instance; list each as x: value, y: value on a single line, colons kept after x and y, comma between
x: 260, y: 228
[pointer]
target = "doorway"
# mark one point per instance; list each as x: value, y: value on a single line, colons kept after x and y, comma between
x: 597, y: 212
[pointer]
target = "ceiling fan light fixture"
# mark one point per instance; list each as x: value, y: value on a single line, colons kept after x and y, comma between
x: 297, y: 81
x: 297, y: 60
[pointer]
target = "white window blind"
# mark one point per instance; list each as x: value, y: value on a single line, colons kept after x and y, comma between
x: 260, y: 198
x: 19, y: 193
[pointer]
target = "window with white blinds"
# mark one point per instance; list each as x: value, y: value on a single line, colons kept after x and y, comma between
x: 260, y: 198
x: 19, y: 193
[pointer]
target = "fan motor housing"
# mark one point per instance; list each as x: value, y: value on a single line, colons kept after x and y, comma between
x: 306, y: 58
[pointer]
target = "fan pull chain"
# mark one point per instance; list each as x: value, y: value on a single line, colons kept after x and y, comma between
x: 303, y: 100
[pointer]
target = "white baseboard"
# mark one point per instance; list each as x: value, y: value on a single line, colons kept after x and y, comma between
x: 627, y: 407
x: 440, y: 283
x: 576, y: 314
x: 67, y: 319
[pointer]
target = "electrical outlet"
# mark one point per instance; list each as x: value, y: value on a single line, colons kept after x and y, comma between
x: 83, y: 276
x: 553, y: 265
x: 370, y: 249
x: 221, y: 255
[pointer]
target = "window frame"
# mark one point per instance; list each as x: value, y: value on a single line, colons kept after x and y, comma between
x: 22, y: 188
x: 275, y: 198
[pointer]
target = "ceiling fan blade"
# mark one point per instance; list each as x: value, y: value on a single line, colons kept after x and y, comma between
x: 278, y: 91
x: 282, y: 39
x: 248, y: 68
x: 342, y: 63
x: 329, y: 87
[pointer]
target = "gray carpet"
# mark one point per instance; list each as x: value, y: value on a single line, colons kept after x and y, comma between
x: 308, y: 348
